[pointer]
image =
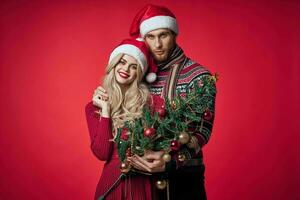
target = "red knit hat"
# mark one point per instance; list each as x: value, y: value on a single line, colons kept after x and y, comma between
x: 153, y: 17
x: 137, y: 49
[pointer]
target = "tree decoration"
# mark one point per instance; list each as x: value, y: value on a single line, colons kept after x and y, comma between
x: 174, y: 145
x: 171, y: 126
x: 166, y: 157
x: 149, y: 132
x: 162, y: 111
x: 124, y: 134
x: 184, y: 138
x: 125, y: 167
x: 181, y: 157
x: 128, y: 152
x: 207, y: 115
x: 161, y: 184
x: 173, y: 105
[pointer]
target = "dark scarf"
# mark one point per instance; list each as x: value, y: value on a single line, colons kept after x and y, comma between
x: 174, y: 64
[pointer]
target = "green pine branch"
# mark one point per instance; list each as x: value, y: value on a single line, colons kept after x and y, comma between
x: 183, y: 115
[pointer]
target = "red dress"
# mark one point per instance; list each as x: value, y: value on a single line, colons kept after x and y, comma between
x: 131, y: 188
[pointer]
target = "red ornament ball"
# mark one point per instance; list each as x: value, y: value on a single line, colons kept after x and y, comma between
x: 162, y: 111
x: 128, y: 152
x: 207, y: 115
x: 174, y: 145
x: 124, y: 134
x: 125, y: 167
x: 149, y: 132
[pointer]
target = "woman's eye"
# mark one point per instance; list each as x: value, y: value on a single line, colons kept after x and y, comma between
x: 134, y: 67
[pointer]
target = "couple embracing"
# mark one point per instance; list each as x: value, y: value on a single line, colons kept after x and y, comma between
x: 145, y: 71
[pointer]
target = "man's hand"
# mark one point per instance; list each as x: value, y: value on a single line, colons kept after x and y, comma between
x: 151, y: 161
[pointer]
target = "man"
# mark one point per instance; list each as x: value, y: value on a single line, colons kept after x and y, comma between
x: 176, y: 74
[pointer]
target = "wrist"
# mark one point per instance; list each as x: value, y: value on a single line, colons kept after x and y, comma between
x: 105, y: 112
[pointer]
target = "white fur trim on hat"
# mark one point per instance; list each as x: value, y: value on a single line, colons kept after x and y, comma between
x: 132, y: 51
x: 157, y: 22
x: 140, y: 39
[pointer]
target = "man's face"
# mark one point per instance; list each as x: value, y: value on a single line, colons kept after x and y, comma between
x: 161, y: 43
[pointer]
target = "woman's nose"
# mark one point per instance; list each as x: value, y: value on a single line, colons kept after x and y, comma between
x: 126, y: 67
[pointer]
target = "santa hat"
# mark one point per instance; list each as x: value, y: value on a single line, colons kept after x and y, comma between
x: 137, y: 49
x: 153, y: 17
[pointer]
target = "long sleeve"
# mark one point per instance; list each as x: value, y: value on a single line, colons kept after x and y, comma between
x: 204, y: 134
x: 100, y: 133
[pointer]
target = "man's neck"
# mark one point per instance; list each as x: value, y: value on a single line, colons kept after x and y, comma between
x: 175, y: 56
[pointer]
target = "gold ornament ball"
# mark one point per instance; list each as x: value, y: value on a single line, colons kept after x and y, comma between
x: 181, y: 157
x: 166, y: 157
x: 161, y: 184
x: 184, y: 138
x: 125, y: 168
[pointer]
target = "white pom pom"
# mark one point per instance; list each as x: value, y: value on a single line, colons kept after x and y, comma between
x: 151, y: 77
x: 140, y: 39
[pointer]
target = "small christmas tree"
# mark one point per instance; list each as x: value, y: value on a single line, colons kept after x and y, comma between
x: 171, y: 126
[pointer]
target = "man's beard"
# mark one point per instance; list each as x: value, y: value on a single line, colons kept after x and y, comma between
x: 164, y: 57
x: 161, y: 58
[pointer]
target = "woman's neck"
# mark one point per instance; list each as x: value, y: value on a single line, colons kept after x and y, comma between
x: 124, y: 89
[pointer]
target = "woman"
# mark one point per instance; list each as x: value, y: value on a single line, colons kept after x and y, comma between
x: 121, y: 98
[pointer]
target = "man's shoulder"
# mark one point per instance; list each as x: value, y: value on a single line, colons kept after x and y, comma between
x: 192, y: 70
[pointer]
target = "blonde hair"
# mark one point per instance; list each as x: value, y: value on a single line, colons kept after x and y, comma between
x: 127, y: 106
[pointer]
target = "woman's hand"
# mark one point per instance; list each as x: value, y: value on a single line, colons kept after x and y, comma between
x: 100, y: 99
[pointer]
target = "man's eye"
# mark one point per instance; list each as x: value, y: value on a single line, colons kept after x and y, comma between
x: 150, y: 37
x: 163, y: 35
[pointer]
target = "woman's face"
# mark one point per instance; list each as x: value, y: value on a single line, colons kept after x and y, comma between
x: 126, y: 70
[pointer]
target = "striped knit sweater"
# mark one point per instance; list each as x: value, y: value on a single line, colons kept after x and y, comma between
x: 175, y: 77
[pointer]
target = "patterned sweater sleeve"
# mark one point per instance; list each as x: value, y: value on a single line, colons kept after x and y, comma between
x: 100, y: 133
x: 204, y: 134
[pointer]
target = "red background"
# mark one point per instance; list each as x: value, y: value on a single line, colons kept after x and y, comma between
x: 52, y: 55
